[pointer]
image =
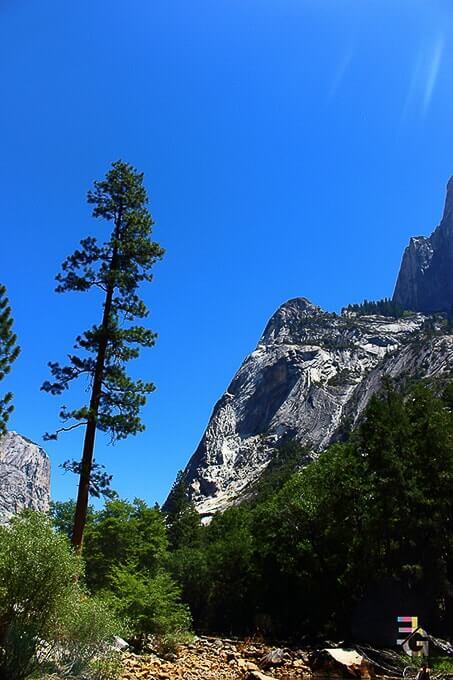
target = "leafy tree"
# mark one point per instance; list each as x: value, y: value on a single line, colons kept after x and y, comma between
x: 152, y: 604
x: 191, y: 568
x: 305, y: 543
x: 116, y: 267
x: 231, y: 560
x: 62, y: 515
x: 362, y: 531
x: 182, y: 519
x: 9, y: 351
x: 127, y: 563
x: 124, y: 534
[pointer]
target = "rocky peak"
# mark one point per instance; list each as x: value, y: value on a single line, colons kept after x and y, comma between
x: 24, y: 476
x: 310, y: 371
x: 288, y: 318
x: 425, y: 281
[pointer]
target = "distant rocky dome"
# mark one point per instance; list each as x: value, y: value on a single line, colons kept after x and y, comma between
x: 311, y: 372
x: 425, y: 280
x: 24, y: 476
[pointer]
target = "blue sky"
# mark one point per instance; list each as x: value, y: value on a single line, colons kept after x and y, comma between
x: 290, y: 147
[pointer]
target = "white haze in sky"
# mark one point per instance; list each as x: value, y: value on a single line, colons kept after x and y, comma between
x: 423, y: 80
x: 433, y: 72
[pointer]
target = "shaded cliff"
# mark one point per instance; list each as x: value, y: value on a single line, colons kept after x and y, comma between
x: 425, y: 280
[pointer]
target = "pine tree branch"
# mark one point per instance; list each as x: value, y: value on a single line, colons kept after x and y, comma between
x: 54, y: 435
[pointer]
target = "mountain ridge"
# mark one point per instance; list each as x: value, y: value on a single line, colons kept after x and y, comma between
x: 300, y: 382
x: 313, y: 371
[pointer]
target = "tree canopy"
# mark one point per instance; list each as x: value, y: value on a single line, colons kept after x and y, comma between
x: 116, y: 267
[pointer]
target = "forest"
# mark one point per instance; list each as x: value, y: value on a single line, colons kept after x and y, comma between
x: 311, y: 549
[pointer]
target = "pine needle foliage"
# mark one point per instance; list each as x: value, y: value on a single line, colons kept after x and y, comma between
x: 116, y: 267
x: 9, y: 351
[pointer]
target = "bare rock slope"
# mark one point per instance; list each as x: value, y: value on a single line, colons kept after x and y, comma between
x: 24, y: 476
x: 310, y: 372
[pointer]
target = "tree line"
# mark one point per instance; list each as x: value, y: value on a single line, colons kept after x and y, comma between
x: 358, y: 535
x: 384, y: 307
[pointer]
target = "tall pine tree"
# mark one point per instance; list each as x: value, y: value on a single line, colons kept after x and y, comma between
x: 116, y: 267
x: 9, y: 351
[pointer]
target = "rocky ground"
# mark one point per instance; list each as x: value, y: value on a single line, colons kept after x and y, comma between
x: 214, y: 659
x: 209, y: 658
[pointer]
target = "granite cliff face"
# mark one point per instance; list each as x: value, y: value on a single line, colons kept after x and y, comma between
x: 24, y: 476
x: 310, y: 371
x: 425, y: 280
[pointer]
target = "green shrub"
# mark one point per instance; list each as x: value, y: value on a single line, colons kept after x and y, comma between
x: 152, y: 605
x: 37, y: 571
x: 164, y: 645
x: 78, y: 635
x: 105, y: 667
x: 47, y: 622
x: 442, y: 664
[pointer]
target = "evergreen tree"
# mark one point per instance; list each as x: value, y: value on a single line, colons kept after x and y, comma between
x: 182, y: 519
x: 384, y: 307
x: 9, y: 351
x: 116, y: 267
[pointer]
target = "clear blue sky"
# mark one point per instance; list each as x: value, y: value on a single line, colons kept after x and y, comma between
x: 290, y: 147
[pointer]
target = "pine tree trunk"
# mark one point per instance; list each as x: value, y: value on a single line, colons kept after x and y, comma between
x: 90, y: 432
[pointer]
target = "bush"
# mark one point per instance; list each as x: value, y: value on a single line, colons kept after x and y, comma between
x: 47, y: 622
x: 105, y: 667
x: 37, y: 571
x: 78, y: 636
x: 151, y: 605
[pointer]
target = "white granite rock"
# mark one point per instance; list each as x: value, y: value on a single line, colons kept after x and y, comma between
x: 24, y: 476
x: 310, y: 372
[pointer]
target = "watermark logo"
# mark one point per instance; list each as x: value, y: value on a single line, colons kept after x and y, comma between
x: 415, y: 641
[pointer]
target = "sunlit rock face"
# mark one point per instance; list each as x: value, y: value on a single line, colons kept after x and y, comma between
x: 425, y: 280
x: 24, y: 476
x: 311, y: 372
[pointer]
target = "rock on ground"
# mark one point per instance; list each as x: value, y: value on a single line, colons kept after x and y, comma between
x: 215, y: 659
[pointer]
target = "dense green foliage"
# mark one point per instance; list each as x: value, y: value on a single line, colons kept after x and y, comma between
x: 9, y: 351
x: 126, y: 556
x: 151, y: 603
x: 384, y: 307
x: 116, y: 267
x: 363, y: 532
x: 47, y: 620
x: 357, y: 535
x: 182, y: 520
